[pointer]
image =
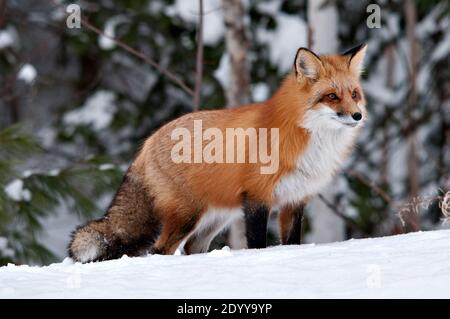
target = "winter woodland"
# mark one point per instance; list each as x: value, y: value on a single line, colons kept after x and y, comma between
x: 79, y: 96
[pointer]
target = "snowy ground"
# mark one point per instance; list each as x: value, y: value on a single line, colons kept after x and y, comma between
x: 413, y: 265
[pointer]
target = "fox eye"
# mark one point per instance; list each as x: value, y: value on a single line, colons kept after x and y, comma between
x: 354, y: 93
x: 332, y: 96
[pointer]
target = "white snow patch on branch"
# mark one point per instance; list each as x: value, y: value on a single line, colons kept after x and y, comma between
x: 111, y: 24
x: 27, y: 73
x: 6, y: 38
x: 222, y: 73
x: 98, y: 111
x: 269, y: 7
x: 4, y: 250
x: 213, y: 26
x: 443, y: 48
x: 106, y: 167
x: 16, y: 192
x: 260, y: 92
x: 290, y: 34
x: 429, y: 24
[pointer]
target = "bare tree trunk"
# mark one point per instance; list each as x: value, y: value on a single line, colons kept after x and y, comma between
x: 238, y: 88
x: 238, y: 91
x: 2, y: 13
x: 384, y: 165
x: 413, y: 219
x: 322, y: 26
x: 199, y: 60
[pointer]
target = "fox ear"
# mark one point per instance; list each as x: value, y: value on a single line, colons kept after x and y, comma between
x: 355, y: 58
x: 307, y: 64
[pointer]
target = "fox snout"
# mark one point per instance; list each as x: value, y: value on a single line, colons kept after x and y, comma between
x: 357, y: 116
x: 349, y: 118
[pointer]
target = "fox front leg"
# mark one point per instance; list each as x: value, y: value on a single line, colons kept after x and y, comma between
x: 291, y: 218
x: 256, y: 216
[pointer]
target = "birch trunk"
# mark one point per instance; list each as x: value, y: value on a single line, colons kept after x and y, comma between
x: 238, y: 90
x: 238, y: 87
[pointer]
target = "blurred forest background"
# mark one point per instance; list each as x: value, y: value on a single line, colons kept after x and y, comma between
x: 75, y: 105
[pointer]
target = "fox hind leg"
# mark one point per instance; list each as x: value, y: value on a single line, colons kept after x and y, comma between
x: 211, y: 224
x: 200, y: 241
x: 176, y: 227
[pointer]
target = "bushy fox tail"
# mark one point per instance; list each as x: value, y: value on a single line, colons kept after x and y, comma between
x: 130, y: 226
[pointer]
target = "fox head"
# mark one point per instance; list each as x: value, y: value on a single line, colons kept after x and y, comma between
x: 336, y: 98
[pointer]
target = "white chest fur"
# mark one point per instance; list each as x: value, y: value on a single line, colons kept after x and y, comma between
x: 316, y: 166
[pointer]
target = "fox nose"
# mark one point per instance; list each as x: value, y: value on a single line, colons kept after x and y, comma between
x: 357, y: 116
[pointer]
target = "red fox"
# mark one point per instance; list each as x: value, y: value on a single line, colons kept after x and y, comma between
x: 318, y: 112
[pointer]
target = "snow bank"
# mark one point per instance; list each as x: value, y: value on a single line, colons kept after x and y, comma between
x: 412, y: 265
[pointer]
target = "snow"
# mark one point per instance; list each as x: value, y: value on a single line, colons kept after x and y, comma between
x: 269, y: 7
x: 98, y: 111
x: 404, y: 266
x: 214, y: 29
x: 428, y: 24
x: 16, y: 192
x: 6, y: 38
x: 106, y: 167
x: 106, y: 43
x: 54, y: 172
x: 283, y: 43
x: 222, y: 73
x: 260, y: 92
x: 377, y: 88
x: 4, y: 250
x: 3, y: 243
x: 27, y: 73
x: 442, y: 49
